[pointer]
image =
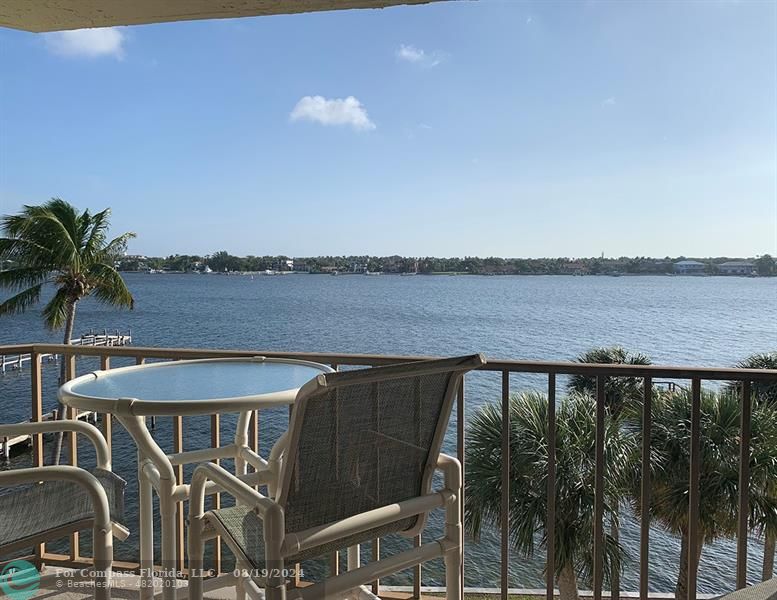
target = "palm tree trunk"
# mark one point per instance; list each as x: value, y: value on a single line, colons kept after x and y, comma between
x: 681, y: 590
x: 768, y: 567
x: 71, y: 317
x: 567, y: 583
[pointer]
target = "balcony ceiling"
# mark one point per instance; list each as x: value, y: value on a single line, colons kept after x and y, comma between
x: 55, y: 15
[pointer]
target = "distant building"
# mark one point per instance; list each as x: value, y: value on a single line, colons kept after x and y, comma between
x: 736, y: 267
x: 689, y: 267
x: 358, y: 267
x: 574, y: 268
x: 284, y: 265
x: 300, y: 266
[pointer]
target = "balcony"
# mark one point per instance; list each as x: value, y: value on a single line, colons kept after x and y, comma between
x: 37, y: 380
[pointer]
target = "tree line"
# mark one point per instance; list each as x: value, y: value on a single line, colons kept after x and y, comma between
x: 223, y: 261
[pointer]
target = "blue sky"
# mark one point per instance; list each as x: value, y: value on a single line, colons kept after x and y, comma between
x: 461, y: 128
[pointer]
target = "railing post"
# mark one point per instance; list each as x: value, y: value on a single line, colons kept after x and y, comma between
x: 179, y: 537
x: 550, y: 525
x: 693, y: 487
x: 72, y: 413
x: 417, y: 571
x: 460, y: 440
x: 334, y: 557
x: 375, y: 556
x: 505, y: 485
x: 36, y: 415
x: 644, y: 547
x: 598, y: 566
x: 744, y: 484
x: 215, y: 442
x: 105, y: 364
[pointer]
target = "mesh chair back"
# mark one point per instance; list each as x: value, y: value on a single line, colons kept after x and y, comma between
x: 360, y: 440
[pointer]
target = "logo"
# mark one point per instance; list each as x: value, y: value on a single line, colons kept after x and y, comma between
x: 19, y: 580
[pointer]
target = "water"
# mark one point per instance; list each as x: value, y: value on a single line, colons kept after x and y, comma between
x: 710, y: 321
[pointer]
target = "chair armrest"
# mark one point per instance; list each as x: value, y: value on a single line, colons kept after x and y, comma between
x: 451, y: 470
x: 330, y: 532
x: 81, y: 477
x: 90, y: 431
x: 206, y: 472
x: 253, y: 459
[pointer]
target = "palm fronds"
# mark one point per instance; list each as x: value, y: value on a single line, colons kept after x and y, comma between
x: 54, y: 243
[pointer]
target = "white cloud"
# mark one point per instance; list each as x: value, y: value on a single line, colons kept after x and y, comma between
x: 529, y: 20
x: 418, y: 56
x: 108, y: 41
x: 410, y: 53
x: 609, y: 101
x: 335, y: 111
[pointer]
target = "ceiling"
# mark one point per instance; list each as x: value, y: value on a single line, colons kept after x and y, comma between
x: 56, y: 15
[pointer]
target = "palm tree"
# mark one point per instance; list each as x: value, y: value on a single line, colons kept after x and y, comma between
x: 55, y: 244
x: 621, y: 394
x: 575, y: 470
x: 764, y: 392
x: 719, y: 469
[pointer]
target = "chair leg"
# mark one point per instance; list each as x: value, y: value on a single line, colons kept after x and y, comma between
x: 146, y: 517
x: 454, y: 533
x: 274, y: 532
x: 275, y: 593
x: 196, y: 551
x: 240, y: 585
x: 168, y: 509
x: 102, y: 541
x: 453, y: 582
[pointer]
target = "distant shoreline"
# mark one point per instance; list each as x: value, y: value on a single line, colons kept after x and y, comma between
x: 448, y: 274
x: 223, y: 262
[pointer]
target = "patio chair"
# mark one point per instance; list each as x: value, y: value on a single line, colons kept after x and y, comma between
x: 358, y: 462
x: 766, y: 590
x: 49, y: 502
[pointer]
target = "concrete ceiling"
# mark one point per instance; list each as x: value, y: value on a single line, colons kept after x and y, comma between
x: 56, y: 15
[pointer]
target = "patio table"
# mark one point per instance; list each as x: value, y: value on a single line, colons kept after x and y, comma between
x: 183, y: 388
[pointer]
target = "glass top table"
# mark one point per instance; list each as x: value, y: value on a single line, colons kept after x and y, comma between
x: 182, y: 388
x: 191, y: 387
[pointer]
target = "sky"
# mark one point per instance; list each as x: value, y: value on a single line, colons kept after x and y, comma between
x: 509, y: 128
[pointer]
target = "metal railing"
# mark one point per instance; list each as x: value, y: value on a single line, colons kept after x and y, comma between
x: 505, y: 368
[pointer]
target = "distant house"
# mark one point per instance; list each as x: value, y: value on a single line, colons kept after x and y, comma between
x: 300, y: 266
x: 736, y: 267
x: 689, y: 267
x: 283, y: 265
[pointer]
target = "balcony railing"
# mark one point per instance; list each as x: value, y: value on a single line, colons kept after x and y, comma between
x: 505, y: 368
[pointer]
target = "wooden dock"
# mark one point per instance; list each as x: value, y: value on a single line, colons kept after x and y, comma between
x: 15, y: 362
x: 7, y: 444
